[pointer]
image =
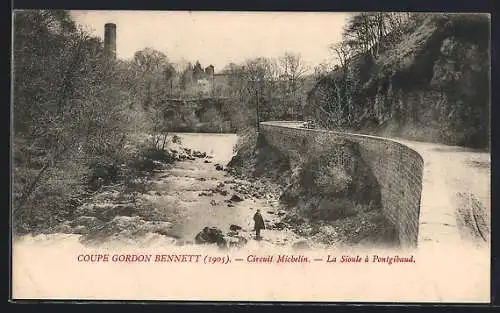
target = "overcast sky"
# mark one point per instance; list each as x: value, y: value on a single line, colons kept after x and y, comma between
x: 219, y: 38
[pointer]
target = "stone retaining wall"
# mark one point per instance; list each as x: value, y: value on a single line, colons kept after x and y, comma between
x: 397, y: 168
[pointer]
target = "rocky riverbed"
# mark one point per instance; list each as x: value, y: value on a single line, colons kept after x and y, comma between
x: 191, y: 201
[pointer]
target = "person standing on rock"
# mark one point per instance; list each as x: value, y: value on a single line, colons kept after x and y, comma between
x: 258, y: 223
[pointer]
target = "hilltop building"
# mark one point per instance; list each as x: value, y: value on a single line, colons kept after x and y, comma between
x: 208, y: 82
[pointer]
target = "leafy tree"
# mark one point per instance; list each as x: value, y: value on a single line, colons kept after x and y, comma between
x: 153, y: 74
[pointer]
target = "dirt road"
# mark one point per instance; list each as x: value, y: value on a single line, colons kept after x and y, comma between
x: 455, y: 203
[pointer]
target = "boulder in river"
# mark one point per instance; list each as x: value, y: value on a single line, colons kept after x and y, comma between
x: 210, y: 235
x: 197, y: 154
x: 236, y: 198
x: 235, y: 227
x: 176, y: 139
x: 219, y: 167
x: 278, y: 226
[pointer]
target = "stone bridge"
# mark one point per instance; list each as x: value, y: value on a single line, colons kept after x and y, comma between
x: 433, y: 193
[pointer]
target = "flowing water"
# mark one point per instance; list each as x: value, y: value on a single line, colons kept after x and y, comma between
x: 184, y: 183
x: 182, y: 194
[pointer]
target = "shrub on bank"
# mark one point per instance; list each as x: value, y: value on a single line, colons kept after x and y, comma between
x: 324, y: 186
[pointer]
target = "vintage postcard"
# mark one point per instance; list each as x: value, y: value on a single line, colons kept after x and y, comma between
x: 251, y: 156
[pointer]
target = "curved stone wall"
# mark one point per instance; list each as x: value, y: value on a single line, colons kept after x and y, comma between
x: 398, y: 169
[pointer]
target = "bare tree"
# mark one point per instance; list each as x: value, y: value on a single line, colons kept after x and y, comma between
x: 292, y: 71
x: 342, y: 53
x: 151, y: 67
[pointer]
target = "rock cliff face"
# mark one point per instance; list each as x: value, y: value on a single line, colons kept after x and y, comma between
x: 433, y: 85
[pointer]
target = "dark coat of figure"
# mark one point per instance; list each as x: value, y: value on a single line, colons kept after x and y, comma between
x: 258, y: 223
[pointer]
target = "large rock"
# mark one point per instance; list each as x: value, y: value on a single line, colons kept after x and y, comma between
x: 199, y: 154
x: 211, y: 235
x: 235, y: 227
x: 279, y: 226
x: 236, y: 198
x: 219, y: 167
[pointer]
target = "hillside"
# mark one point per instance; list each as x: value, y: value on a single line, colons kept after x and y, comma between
x: 431, y: 85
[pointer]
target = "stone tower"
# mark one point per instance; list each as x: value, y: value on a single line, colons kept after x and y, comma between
x: 110, y: 40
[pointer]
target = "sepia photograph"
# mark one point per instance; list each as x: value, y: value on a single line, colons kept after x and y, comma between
x: 251, y: 156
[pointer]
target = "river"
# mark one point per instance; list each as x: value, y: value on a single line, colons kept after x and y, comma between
x: 189, y: 186
x: 183, y: 195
